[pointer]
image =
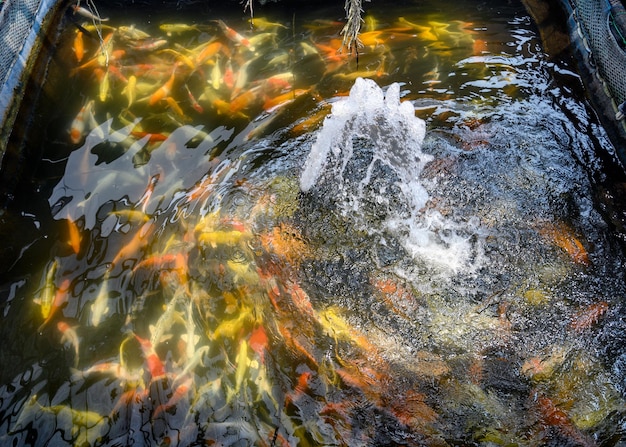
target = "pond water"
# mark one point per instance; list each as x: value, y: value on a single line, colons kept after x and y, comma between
x: 249, y: 238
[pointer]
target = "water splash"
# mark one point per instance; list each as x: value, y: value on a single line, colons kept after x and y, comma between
x: 368, y: 157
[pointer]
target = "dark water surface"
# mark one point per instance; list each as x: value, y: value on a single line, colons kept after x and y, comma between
x: 237, y: 240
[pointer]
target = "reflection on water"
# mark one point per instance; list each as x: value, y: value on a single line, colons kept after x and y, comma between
x: 254, y: 246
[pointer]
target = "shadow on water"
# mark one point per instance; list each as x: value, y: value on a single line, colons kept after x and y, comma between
x: 275, y: 251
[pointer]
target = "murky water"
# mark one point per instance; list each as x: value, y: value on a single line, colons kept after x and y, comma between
x: 249, y: 244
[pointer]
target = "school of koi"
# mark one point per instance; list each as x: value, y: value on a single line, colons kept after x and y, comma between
x: 218, y: 343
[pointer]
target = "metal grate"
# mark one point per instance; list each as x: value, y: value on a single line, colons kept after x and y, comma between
x: 597, y: 22
x: 17, y: 18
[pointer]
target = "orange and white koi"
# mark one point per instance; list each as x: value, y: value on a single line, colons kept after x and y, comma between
x: 164, y: 90
x: 77, y: 130
x: 69, y: 335
x: 155, y: 365
x: 234, y: 36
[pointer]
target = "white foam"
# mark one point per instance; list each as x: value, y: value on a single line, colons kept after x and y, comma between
x: 364, y: 106
x: 368, y: 155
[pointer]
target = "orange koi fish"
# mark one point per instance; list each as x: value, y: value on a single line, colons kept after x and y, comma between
x: 163, y: 91
x: 553, y: 416
x: 79, y: 46
x: 272, y: 104
x: 74, y: 233
x: 139, y: 240
x: 311, y: 122
x: 229, y: 75
x: 563, y: 237
x: 152, y: 137
x: 588, y: 316
x: 244, y: 100
x: 208, y: 51
x: 258, y: 342
x: 179, y: 393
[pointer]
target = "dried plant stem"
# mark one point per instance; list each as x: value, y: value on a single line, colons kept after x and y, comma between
x: 353, y: 26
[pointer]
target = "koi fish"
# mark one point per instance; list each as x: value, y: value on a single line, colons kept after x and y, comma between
x: 78, y: 127
x: 233, y: 327
x: 171, y: 102
x: 180, y: 58
x: 130, y: 90
x: 139, y: 240
x: 100, y: 305
x: 193, y: 101
x: 221, y: 237
x: 177, y: 28
x: 132, y: 33
x: 263, y: 24
x: 169, y: 317
x: 164, y: 90
x: 216, y: 74
x: 79, y: 46
x: 155, y: 365
x: 179, y: 393
x: 87, y: 14
x: 47, y: 296
x: 60, y: 299
x: 258, y: 342
x: 149, y: 44
x: 588, y: 316
x: 563, y: 237
x: 242, y: 366
x: 69, y: 335
x: 276, y: 102
x: 104, y: 86
x: 192, y: 362
x: 552, y: 415
x: 209, y: 50
x: 234, y: 36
